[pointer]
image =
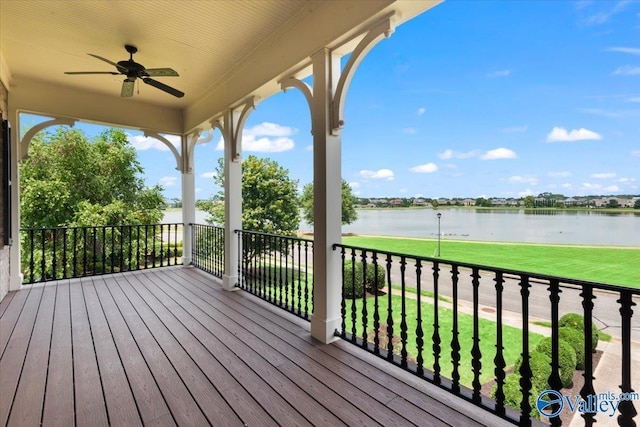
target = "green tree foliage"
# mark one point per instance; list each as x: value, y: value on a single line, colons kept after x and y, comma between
x: 529, y: 202
x: 636, y: 205
x: 68, y: 180
x: 269, y: 198
x: 349, y: 213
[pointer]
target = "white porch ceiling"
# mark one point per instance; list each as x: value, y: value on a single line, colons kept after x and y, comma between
x: 223, y: 50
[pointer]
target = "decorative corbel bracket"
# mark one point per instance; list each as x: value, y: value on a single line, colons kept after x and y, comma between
x: 382, y: 29
x: 293, y: 82
x: 232, y: 124
x: 165, y: 141
x: 26, y: 139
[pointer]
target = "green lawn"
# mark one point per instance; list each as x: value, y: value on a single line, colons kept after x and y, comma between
x: 618, y: 266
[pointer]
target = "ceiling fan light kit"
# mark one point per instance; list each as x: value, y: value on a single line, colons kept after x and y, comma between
x: 133, y: 70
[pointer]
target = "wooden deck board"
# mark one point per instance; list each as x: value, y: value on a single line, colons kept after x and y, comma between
x: 59, y: 408
x: 169, y: 347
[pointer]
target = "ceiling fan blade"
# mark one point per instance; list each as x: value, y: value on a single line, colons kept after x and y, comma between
x: 164, y: 87
x: 161, y: 72
x: 127, y: 88
x: 92, y: 72
x: 120, y: 68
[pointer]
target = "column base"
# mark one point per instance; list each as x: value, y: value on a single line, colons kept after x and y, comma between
x: 186, y: 261
x: 323, y: 329
x: 229, y: 283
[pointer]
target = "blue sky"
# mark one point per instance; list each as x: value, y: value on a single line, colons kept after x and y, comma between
x: 472, y: 98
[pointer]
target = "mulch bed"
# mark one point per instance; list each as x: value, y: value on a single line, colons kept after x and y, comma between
x: 578, y: 382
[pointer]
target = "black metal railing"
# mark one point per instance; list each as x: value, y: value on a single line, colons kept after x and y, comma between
x: 462, y: 330
x: 278, y: 269
x: 68, y: 252
x: 207, y: 252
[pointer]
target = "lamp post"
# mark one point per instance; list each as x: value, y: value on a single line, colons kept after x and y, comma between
x: 439, y: 215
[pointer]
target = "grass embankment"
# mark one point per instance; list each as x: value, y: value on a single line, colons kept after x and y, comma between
x: 611, y: 265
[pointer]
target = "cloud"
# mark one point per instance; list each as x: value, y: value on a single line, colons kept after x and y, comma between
x: 532, y: 180
x: 566, y: 185
x: 631, y: 50
x: 561, y: 134
x: 626, y: 70
x: 265, y: 137
x: 168, y: 181
x: 635, y: 153
x: 421, y: 111
x: 562, y: 174
x: 525, y: 193
x: 606, y: 175
x: 141, y: 142
x: 386, y: 174
x: 633, y: 99
x: 612, y: 188
x: 499, y: 153
x: 354, y: 184
x: 211, y: 174
x: 514, y: 129
x: 499, y: 73
x: 450, y: 154
x: 426, y: 168
x: 603, y: 16
x: 408, y: 131
x: 612, y: 113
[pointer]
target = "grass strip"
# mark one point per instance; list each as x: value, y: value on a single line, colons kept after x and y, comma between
x: 610, y: 265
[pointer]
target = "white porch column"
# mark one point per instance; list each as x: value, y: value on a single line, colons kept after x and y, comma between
x: 231, y: 127
x: 188, y: 197
x: 327, y: 196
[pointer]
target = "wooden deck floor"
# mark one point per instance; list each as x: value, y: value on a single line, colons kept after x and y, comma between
x: 170, y: 347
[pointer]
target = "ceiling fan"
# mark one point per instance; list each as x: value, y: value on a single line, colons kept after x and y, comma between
x: 133, y: 70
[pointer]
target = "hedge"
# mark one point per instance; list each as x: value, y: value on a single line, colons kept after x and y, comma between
x: 513, y: 395
x: 566, y: 358
x: 361, y: 281
x: 576, y: 321
x: 576, y: 339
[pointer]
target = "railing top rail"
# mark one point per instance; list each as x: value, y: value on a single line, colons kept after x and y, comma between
x: 273, y: 235
x: 564, y: 280
x: 62, y: 227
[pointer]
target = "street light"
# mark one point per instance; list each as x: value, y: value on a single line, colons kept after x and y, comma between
x: 439, y: 215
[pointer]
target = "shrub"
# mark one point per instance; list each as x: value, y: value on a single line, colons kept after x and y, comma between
x: 356, y: 290
x: 540, y: 365
x: 566, y: 358
x: 576, y: 339
x: 513, y: 395
x: 576, y: 321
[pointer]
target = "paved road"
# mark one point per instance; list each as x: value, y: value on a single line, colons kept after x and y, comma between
x: 606, y: 311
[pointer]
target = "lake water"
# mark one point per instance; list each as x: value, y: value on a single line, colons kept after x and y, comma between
x: 500, y: 225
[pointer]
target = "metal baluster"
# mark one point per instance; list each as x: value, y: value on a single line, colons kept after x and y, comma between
x: 343, y: 305
x: 364, y: 319
x: 525, y: 368
x: 554, y: 379
x: 84, y: 251
x: 476, y: 353
x: 75, y: 251
x: 626, y: 407
x: 281, y: 271
x: 419, y: 331
x: 403, y: 315
x: 587, y: 389
x: 43, y: 264
x: 376, y: 311
x: 436, y: 325
x: 499, y: 362
x: 153, y: 245
x: 122, y: 234
x: 161, y: 244
x: 389, y: 312
x: 455, y: 342
x: 104, y: 249
x: 299, y: 278
x: 32, y: 265
x: 95, y: 250
x: 146, y: 246
x: 306, y: 280
x: 64, y: 253
x: 354, y: 333
x: 113, y: 243
x: 54, y: 258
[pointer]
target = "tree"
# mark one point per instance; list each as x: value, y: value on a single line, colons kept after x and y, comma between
x: 349, y: 213
x: 68, y: 180
x: 529, y: 202
x: 613, y: 203
x: 636, y: 205
x: 269, y: 198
